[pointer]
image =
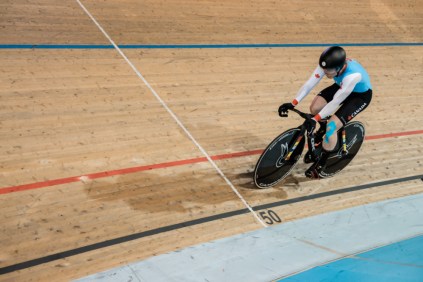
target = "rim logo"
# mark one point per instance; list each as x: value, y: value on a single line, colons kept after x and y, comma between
x: 284, y: 152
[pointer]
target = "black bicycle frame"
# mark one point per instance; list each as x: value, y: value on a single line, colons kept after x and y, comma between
x: 310, y: 139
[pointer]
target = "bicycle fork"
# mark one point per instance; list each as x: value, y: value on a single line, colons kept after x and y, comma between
x: 294, y: 147
x: 310, y: 142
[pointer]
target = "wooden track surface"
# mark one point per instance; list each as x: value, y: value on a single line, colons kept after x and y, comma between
x: 177, y: 21
x: 73, y: 113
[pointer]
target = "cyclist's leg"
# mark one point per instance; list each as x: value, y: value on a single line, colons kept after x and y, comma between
x: 317, y: 105
x: 324, y: 97
x: 353, y: 105
x: 350, y: 108
x: 319, y: 102
x: 329, y: 144
x: 331, y: 137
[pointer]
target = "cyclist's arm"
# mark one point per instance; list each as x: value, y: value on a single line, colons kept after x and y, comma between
x: 347, y: 86
x: 309, y: 85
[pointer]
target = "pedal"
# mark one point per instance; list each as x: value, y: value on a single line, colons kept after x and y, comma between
x: 312, y: 173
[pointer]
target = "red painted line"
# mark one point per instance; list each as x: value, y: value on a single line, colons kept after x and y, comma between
x: 37, y: 185
x: 236, y: 155
x: 143, y: 168
x: 390, y: 135
x: 67, y: 180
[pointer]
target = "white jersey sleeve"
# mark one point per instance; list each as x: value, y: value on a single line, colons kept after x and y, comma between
x: 347, y: 86
x: 309, y: 85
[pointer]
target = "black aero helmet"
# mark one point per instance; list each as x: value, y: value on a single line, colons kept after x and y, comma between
x: 333, y: 58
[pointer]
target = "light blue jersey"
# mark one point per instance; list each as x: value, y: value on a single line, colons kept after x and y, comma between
x: 355, y: 67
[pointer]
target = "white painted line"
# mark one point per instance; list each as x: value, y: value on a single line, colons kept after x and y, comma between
x: 172, y: 114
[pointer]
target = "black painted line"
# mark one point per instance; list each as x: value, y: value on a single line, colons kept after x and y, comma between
x: 336, y: 192
x: 124, y: 239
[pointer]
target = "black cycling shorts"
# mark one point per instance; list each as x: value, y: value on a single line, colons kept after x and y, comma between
x: 351, y: 106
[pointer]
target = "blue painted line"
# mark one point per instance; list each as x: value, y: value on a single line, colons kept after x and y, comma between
x: 402, y: 261
x: 198, y: 46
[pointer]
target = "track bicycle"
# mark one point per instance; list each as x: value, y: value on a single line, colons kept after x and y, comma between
x: 284, y: 152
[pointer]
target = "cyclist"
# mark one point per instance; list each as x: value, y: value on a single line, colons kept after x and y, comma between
x: 347, y: 97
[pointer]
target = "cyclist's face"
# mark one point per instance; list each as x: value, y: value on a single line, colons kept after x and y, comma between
x: 330, y: 73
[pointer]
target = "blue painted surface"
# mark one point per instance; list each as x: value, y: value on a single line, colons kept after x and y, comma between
x: 198, y: 46
x: 402, y: 261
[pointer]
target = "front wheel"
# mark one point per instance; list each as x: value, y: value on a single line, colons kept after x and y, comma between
x: 272, y: 166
